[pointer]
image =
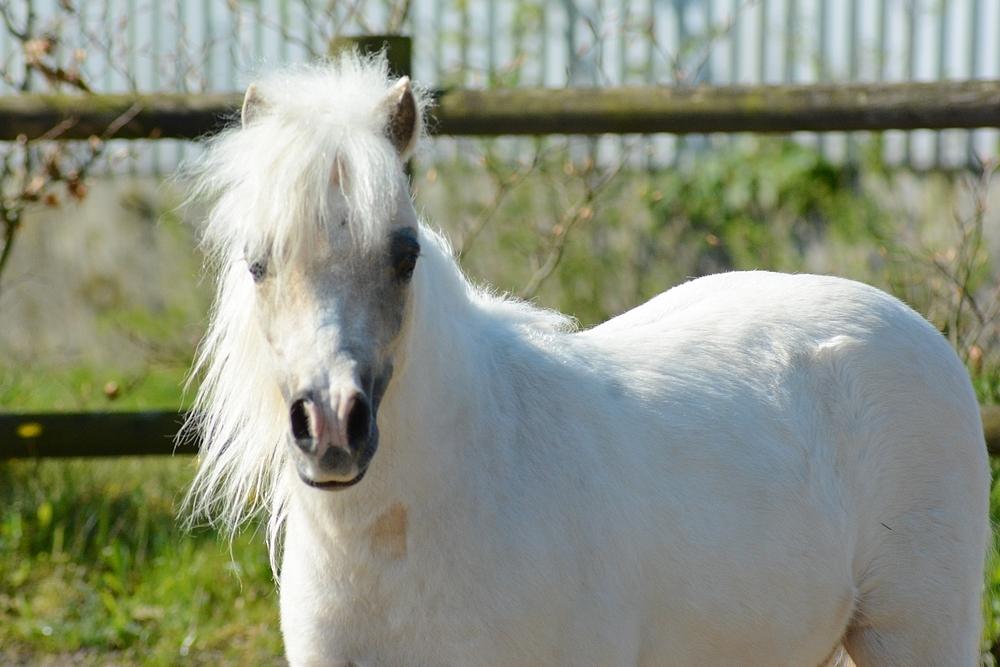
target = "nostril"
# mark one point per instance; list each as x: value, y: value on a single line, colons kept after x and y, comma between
x: 358, y: 422
x: 300, y: 420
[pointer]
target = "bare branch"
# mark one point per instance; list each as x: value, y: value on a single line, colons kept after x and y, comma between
x: 56, y: 75
x: 504, y: 184
x: 32, y: 170
x: 580, y: 212
x: 8, y: 20
x: 12, y: 223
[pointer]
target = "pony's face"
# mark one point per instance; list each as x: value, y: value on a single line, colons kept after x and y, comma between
x: 332, y: 313
x: 332, y: 322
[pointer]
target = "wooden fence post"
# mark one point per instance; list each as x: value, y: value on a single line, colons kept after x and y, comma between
x: 398, y: 50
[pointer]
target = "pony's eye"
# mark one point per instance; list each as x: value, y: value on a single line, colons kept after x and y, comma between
x: 404, y: 251
x: 405, y: 265
x: 258, y: 270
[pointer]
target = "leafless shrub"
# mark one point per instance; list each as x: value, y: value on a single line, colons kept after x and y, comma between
x: 42, y: 171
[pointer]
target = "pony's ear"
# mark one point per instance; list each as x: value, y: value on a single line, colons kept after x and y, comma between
x: 404, y: 117
x: 253, y: 104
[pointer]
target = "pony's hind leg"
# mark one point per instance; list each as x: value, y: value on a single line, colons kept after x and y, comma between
x: 923, y: 605
x: 900, y: 647
x: 922, y: 521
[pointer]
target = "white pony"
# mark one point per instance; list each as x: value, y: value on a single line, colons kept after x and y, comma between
x: 750, y: 469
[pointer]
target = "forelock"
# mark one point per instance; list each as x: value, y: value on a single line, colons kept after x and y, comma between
x: 271, y: 183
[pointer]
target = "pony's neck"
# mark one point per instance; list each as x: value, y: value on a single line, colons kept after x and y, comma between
x: 439, y: 363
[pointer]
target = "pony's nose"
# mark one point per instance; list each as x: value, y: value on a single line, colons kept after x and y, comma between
x: 355, y: 417
x: 348, y: 428
x: 307, y: 423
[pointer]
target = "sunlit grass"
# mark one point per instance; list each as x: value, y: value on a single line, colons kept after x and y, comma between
x: 91, y: 556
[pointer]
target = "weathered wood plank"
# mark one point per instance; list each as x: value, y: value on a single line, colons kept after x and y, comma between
x: 58, y: 435
x: 91, y: 434
x: 164, y: 115
x: 534, y: 111
x: 772, y: 109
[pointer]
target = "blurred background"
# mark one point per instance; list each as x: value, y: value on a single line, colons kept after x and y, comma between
x: 103, y: 299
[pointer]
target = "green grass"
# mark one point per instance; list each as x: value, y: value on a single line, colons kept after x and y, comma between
x: 991, y: 599
x: 92, y: 557
x: 88, y: 388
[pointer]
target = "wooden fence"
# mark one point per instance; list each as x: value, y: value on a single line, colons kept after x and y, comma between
x: 538, y: 111
x: 776, y: 109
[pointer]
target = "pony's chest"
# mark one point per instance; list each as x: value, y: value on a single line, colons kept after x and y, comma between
x: 332, y: 613
x: 361, y: 600
x: 399, y: 597
x: 361, y: 619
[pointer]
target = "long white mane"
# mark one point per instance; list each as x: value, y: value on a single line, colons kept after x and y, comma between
x: 268, y: 185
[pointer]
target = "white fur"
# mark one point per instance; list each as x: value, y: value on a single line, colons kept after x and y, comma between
x: 747, y: 470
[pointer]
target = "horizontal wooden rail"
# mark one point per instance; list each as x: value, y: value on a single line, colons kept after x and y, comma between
x: 59, y: 435
x: 91, y: 434
x: 705, y: 109
x: 537, y: 111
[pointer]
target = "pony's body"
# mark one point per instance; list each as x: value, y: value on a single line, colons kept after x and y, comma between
x: 747, y: 470
x: 701, y: 481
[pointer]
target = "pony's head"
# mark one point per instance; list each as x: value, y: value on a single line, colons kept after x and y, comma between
x: 330, y: 297
x: 315, y: 240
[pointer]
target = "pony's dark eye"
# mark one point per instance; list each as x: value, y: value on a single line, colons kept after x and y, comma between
x: 405, y: 265
x: 258, y: 270
x: 405, y: 250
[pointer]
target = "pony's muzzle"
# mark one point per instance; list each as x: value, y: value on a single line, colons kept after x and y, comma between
x: 334, y: 441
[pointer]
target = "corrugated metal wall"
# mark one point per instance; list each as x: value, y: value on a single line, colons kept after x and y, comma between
x: 218, y: 44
